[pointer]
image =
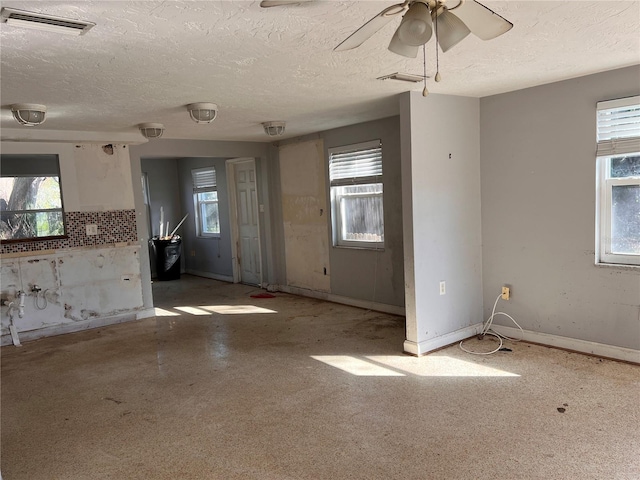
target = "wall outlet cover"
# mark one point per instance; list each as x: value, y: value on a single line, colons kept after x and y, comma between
x: 506, y: 293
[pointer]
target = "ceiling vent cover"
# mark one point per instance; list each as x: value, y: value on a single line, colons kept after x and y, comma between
x: 405, y: 77
x: 22, y: 18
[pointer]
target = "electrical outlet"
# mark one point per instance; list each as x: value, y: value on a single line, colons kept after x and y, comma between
x: 506, y: 293
x: 92, y: 229
x: 443, y: 288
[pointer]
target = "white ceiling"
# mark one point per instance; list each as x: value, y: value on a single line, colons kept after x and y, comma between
x: 144, y: 61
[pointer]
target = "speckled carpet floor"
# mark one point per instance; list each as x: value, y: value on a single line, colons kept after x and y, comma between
x: 224, y: 386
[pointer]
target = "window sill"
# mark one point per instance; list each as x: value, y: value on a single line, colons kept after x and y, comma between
x: 619, y: 266
x: 358, y: 247
x: 34, y: 239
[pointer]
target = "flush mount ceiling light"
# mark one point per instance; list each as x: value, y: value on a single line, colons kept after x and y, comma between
x: 51, y: 23
x: 29, y: 114
x: 203, y: 112
x: 274, y: 129
x: 151, y: 130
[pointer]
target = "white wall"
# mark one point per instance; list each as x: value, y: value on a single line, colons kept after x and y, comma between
x: 92, y: 180
x: 102, y: 180
x: 441, y: 218
x: 538, y: 212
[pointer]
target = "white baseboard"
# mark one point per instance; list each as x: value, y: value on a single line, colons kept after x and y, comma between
x: 353, y: 302
x: 582, y: 346
x: 146, y: 313
x: 426, y: 346
x: 71, y: 327
x: 213, y: 276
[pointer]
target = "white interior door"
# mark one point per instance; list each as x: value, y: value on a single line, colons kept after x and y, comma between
x: 248, y: 242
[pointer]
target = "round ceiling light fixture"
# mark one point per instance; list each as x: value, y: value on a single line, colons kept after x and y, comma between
x: 203, y: 112
x: 151, y: 130
x: 274, y: 129
x: 29, y: 114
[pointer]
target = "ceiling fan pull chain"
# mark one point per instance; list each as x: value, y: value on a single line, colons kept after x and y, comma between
x: 425, y: 92
x: 437, y: 77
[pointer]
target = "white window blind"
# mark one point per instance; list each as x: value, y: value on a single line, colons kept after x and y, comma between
x: 355, y: 164
x: 618, y: 127
x: 204, y: 180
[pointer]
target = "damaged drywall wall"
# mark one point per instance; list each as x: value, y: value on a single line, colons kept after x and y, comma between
x: 102, y: 182
x: 88, y: 277
x: 304, y: 214
x: 71, y: 286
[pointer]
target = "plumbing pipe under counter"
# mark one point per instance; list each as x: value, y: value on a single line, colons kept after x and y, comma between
x: 12, y: 327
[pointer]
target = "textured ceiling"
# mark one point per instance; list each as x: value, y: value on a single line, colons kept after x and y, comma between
x: 144, y: 61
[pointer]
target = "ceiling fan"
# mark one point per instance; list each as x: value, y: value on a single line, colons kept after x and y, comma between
x: 420, y: 17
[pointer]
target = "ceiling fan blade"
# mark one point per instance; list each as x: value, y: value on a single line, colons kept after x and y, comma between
x: 483, y: 22
x: 280, y: 3
x: 367, y: 30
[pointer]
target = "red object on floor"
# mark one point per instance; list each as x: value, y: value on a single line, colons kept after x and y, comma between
x: 263, y: 295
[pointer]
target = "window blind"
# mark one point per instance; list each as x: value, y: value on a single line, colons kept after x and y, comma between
x: 204, y: 180
x: 618, y: 127
x: 356, y: 164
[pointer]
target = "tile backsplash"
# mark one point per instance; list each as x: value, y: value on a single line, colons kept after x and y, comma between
x: 113, y: 227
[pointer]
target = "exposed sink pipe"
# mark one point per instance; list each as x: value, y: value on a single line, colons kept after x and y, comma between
x: 12, y: 308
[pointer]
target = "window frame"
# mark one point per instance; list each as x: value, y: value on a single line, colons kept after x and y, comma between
x: 337, y: 205
x: 615, y: 139
x: 199, y: 188
x: 37, y: 169
x: 606, y: 183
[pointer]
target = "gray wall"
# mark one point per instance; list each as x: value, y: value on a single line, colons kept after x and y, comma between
x: 371, y: 276
x: 365, y: 274
x: 164, y: 191
x: 441, y: 208
x: 538, y: 212
x: 197, y: 149
x: 205, y: 255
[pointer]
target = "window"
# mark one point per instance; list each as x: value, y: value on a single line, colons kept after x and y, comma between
x: 619, y: 181
x: 355, y: 174
x: 30, y: 197
x: 205, y: 200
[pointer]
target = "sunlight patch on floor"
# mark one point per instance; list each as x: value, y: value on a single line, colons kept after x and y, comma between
x: 161, y: 312
x: 394, y: 366
x: 356, y: 366
x: 439, y: 366
x: 237, y: 309
x: 193, y: 310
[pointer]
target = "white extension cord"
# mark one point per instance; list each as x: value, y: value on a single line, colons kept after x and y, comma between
x: 487, y: 329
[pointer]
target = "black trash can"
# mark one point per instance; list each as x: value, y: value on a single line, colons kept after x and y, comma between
x: 167, y: 253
